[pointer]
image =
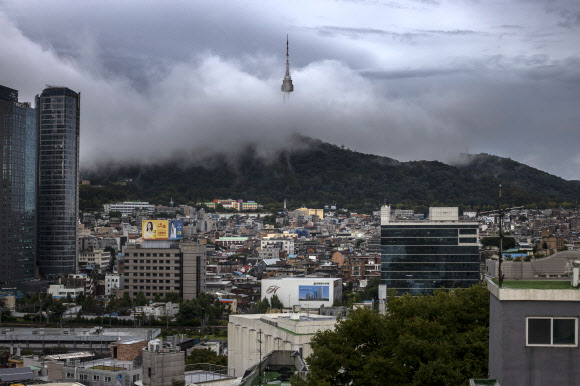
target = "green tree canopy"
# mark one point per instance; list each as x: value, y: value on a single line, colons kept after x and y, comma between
x: 263, y: 306
x: 126, y: 300
x: 508, y: 242
x: 202, y: 308
x: 205, y: 355
x: 440, y: 339
x: 140, y: 299
x: 276, y: 303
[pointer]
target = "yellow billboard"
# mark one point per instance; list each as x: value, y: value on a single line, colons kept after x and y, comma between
x: 162, y: 229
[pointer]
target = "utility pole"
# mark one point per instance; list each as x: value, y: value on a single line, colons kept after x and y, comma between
x: 500, y: 274
x: 260, y: 360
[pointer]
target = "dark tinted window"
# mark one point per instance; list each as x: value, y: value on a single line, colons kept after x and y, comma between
x: 539, y: 331
x: 564, y: 331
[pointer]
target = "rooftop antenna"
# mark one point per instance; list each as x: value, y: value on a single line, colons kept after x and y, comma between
x: 287, y: 86
x: 260, y: 360
x: 500, y: 274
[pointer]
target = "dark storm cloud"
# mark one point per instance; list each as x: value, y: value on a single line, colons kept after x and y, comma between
x: 423, y: 80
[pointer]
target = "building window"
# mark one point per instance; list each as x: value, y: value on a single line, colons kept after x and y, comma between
x: 107, y: 379
x: 70, y: 375
x: 552, y: 331
x: 96, y: 378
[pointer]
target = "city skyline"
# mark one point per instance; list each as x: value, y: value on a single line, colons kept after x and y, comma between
x: 409, y: 80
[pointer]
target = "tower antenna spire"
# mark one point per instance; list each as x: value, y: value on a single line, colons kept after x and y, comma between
x: 287, y: 86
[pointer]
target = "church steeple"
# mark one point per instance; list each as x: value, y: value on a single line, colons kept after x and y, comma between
x: 287, y: 86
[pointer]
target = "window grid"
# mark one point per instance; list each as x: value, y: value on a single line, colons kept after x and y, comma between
x: 551, y: 318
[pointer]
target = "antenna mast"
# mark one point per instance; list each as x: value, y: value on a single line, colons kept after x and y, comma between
x: 287, y: 86
x: 500, y: 274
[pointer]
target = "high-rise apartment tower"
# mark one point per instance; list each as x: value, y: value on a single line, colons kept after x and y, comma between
x: 17, y: 188
x: 58, y: 116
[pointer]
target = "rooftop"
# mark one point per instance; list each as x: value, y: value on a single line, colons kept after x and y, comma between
x: 534, y: 290
x: 536, y: 284
x: 74, y: 334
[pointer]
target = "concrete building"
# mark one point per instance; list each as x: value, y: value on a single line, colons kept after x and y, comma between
x: 94, y: 339
x: 94, y: 257
x: 285, y: 244
x: 128, y: 350
x: 126, y: 208
x: 17, y: 188
x: 58, y: 127
x: 269, y: 252
x: 113, y: 282
x: 419, y: 257
x: 275, y: 331
x: 161, y: 267
x: 100, y: 373
x: 163, y: 363
x: 312, y: 212
x: 62, y: 291
x: 308, y: 292
x: 158, y: 310
x: 533, y: 333
x: 557, y: 266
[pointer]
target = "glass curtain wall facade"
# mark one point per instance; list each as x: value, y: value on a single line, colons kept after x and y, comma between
x: 58, y: 114
x: 17, y: 188
x: 420, y: 257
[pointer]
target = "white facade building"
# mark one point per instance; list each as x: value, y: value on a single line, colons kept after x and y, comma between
x: 113, y: 282
x: 127, y: 207
x: 158, y: 310
x: 59, y: 290
x: 308, y: 292
x: 94, y: 256
x: 284, y: 244
x: 275, y: 331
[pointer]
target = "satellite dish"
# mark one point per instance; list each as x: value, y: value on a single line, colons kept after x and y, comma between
x: 150, y: 302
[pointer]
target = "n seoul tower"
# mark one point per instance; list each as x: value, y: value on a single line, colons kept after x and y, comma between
x: 287, y: 86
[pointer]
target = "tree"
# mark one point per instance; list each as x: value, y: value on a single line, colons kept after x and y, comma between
x: 508, y: 242
x: 173, y: 297
x: 276, y: 303
x: 56, y: 309
x: 371, y: 291
x: 115, y: 214
x: 126, y: 300
x: 205, y: 355
x: 263, y: 306
x: 175, y: 382
x: 439, y: 339
x: 140, y: 299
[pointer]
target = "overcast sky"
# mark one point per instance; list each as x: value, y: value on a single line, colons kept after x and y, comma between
x: 423, y: 79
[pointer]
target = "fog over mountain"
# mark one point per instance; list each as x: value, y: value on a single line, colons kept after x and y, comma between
x: 406, y: 79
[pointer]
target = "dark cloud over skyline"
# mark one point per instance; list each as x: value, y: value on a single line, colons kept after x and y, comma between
x: 408, y: 80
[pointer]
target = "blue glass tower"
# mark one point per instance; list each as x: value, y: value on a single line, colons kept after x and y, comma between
x: 419, y: 257
x: 17, y: 188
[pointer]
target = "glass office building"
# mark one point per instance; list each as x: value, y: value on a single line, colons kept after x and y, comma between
x: 419, y: 257
x: 17, y: 188
x: 58, y: 114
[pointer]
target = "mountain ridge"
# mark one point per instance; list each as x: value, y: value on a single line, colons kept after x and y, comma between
x: 317, y: 173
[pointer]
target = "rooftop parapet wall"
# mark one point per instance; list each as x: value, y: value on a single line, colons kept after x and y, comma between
x: 533, y: 294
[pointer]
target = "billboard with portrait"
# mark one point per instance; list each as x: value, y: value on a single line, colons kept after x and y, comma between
x: 175, y: 230
x: 162, y: 229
